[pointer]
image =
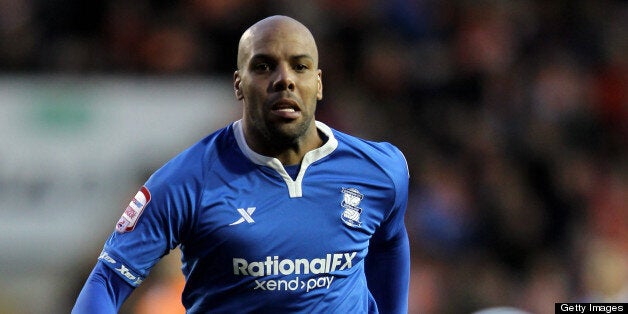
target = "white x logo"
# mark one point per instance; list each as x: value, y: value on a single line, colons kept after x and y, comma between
x: 246, y: 216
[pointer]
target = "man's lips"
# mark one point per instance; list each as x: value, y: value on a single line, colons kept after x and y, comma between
x: 286, y: 108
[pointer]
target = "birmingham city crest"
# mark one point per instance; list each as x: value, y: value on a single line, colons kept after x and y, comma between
x: 350, y: 202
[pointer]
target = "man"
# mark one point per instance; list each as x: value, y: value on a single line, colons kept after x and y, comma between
x: 274, y: 213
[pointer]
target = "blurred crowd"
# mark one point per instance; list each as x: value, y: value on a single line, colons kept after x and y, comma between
x: 513, y: 116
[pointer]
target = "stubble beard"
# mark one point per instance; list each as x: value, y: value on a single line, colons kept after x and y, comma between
x: 282, y: 136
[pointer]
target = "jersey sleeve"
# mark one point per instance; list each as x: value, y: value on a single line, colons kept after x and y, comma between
x: 156, y: 220
x: 387, y: 263
x: 103, y: 292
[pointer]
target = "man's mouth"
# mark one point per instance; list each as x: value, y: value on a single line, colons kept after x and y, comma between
x: 286, y: 108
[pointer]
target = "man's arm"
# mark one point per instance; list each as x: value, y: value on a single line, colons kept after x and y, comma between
x: 387, y: 268
x: 387, y: 264
x: 103, y: 292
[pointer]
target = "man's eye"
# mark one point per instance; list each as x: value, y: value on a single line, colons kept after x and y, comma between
x: 300, y: 67
x: 261, y: 67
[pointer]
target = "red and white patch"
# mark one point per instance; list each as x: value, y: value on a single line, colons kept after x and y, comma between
x: 133, y: 212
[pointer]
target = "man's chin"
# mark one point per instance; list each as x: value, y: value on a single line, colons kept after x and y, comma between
x: 287, y: 132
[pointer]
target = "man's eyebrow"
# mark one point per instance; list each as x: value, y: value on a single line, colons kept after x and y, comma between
x: 303, y: 56
x: 261, y: 56
x: 264, y: 56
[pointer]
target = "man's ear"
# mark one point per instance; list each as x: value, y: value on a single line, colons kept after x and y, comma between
x: 236, y: 85
x: 319, y: 94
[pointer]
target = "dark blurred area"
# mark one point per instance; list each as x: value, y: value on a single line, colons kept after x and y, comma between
x: 513, y: 116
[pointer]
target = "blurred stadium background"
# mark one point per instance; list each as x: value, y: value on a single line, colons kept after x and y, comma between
x: 513, y: 115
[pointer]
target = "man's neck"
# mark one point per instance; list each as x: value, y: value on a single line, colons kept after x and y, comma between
x: 288, y: 153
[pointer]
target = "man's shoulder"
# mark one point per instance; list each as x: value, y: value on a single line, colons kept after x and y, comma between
x: 376, y: 149
x: 384, y: 155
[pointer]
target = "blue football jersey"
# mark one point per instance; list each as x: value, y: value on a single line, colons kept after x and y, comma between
x: 253, y: 239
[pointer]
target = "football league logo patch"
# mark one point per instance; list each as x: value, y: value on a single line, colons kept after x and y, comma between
x: 350, y: 202
x: 132, y: 212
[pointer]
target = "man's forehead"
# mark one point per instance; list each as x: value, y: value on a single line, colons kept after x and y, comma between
x: 290, y: 45
x: 281, y: 37
x: 277, y: 34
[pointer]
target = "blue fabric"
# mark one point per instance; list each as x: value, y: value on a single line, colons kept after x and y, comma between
x: 387, y: 271
x: 103, y: 293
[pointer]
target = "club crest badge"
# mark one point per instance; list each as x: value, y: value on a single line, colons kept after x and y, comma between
x: 133, y: 211
x: 350, y: 202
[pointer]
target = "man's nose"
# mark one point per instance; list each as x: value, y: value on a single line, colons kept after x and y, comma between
x: 284, y: 79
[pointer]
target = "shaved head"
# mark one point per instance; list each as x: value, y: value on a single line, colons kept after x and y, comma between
x: 277, y: 27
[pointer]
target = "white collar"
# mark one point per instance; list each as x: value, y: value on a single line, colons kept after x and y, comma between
x: 294, y: 186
